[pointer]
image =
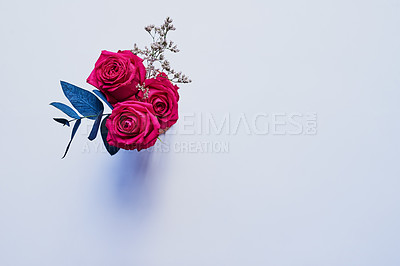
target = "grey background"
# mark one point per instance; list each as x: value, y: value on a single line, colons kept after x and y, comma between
x: 326, y: 199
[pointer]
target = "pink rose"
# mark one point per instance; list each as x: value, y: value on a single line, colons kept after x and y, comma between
x: 132, y: 125
x: 117, y: 75
x: 164, y: 97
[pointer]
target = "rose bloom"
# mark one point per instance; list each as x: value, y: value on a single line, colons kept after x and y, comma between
x: 132, y: 125
x: 117, y: 75
x: 164, y: 97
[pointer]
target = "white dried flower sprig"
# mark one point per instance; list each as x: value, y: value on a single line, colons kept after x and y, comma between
x: 154, y: 56
x: 145, y: 90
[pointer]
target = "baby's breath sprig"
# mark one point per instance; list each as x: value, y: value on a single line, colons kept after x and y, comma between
x: 154, y: 56
x: 145, y: 90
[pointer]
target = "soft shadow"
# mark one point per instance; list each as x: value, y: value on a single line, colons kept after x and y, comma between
x: 136, y: 174
x: 133, y: 169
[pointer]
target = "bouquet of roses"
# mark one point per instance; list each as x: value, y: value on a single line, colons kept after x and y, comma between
x: 138, y: 85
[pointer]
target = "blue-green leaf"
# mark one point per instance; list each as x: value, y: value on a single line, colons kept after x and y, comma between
x: 104, y: 132
x: 76, y: 126
x: 103, y: 97
x: 95, y: 128
x: 63, y: 121
x: 66, y: 109
x: 84, y: 101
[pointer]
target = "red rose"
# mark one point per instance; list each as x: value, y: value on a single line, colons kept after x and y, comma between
x: 132, y: 125
x: 117, y: 75
x: 164, y: 97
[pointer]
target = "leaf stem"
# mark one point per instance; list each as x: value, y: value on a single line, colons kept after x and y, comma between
x: 86, y: 117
